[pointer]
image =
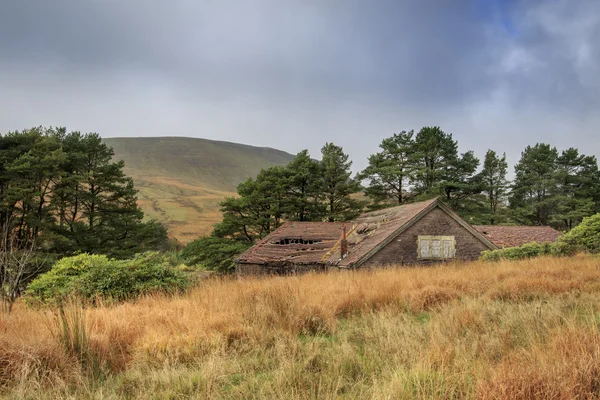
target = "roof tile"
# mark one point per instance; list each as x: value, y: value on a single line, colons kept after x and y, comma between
x: 513, y: 236
x: 307, y: 243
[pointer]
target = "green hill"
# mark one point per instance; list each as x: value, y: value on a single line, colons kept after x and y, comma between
x: 182, y: 180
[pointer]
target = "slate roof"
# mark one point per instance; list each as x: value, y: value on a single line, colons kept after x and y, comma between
x: 299, y: 250
x: 319, y: 242
x: 512, y: 236
x: 371, y: 229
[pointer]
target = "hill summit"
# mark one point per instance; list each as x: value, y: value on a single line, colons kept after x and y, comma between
x: 182, y: 180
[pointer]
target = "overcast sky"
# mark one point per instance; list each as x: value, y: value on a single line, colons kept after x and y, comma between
x: 293, y: 74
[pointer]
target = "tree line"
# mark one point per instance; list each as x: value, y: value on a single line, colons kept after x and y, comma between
x: 61, y: 192
x: 549, y: 187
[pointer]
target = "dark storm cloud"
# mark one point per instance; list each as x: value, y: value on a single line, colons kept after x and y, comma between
x: 293, y: 74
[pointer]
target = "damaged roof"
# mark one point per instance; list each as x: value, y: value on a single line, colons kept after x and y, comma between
x: 513, y: 236
x: 319, y: 242
x: 373, y: 230
x: 295, y: 242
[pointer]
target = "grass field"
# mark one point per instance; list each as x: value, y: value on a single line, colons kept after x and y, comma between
x: 518, y: 330
x: 181, y: 181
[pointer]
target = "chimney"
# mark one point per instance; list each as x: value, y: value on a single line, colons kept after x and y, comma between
x: 343, y: 244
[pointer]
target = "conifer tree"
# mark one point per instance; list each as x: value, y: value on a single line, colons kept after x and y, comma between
x: 337, y: 184
x: 389, y: 171
x: 578, y: 188
x: 304, y: 189
x: 532, y: 198
x: 440, y: 170
x: 494, y: 183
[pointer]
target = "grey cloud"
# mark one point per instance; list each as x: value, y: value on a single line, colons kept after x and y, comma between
x: 294, y: 74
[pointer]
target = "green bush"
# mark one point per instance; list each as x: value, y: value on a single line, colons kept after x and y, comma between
x: 528, y: 250
x: 59, y: 282
x: 584, y: 237
x: 213, y: 253
x: 90, y: 276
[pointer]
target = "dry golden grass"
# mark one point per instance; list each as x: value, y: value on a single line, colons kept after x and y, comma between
x: 521, y: 330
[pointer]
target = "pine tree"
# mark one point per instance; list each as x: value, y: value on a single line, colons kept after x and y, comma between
x: 62, y: 192
x: 435, y: 153
x: 97, y: 202
x: 440, y: 170
x: 259, y: 209
x: 578, y: 185
x: 494, y: 183
x: 390, y: 169
x: 304, y: 189
x: 532, y: 197
x: 337, y: 184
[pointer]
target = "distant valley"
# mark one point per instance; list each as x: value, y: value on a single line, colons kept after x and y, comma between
x: 182, y: 180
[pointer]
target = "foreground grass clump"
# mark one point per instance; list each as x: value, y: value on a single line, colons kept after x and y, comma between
x: 528, y: 329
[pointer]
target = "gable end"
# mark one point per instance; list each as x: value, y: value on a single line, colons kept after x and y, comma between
x: 435, y: 205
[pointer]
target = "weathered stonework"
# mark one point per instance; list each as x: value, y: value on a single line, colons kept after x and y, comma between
x: 403, y: 249
x: 243, y: 269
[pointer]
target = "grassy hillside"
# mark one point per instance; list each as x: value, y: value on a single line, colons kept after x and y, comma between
x: 520, y: 330
x: 182, y: 180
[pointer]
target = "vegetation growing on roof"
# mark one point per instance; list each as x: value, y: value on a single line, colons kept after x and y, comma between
x: 528, y: 250
x: 583, y: 238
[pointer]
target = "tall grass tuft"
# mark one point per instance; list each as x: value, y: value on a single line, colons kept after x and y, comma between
x: 71, y: 328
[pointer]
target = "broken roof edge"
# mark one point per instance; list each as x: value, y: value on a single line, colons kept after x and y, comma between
x: 239, y: 259
x: 395, y: 234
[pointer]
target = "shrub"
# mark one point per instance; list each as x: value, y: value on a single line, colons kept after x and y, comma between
x: 122, y: 280
x: 90, y: 276
x: 213, y: 253
x: 584, y: 237
x: 528, y: 250
x: 59, y: 282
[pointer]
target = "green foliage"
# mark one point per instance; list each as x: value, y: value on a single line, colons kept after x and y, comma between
x: 303, y: 190
x: 90, y: 276
x: 63, y: 192
x: 528, y: 250
x: 553, y: 189
x: 584, y: 237
x: 338, y: 185
x: 494, y: 183
x: 532, y: 197
x: 59, y: 282
x: 422, y: 166
x: 258, y: 210
x: 213, y: 253
x: 578, y: 188
x: 440, y: 168
x: 389, y: 171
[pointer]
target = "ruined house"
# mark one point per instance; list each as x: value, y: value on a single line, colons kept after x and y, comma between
x: 417, y: 233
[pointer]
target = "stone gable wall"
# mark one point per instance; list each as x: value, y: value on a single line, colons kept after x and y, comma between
x: 403, y: 249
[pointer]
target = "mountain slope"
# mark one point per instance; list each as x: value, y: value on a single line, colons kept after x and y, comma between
x: 182, y: 180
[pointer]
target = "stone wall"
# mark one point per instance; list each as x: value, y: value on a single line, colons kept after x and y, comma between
x: 403, y: 249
